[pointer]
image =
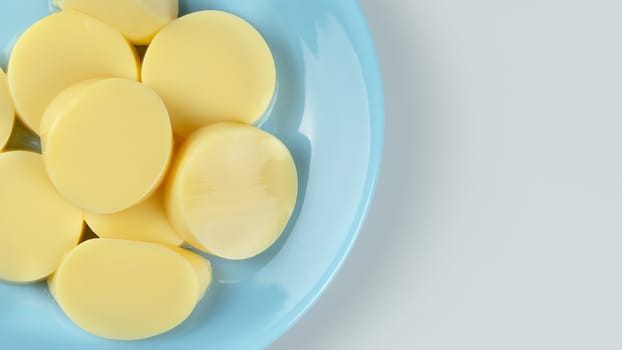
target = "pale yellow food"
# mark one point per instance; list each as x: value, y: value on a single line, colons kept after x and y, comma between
x: 231, y: 190
x: 61, y: 50
x: 7, y: 111
x: 137, y: 20
x: 106, y: 144
x: 202, y: 269
x: 146, y: 221
x: 128, y: 290
x: 210, y: 66
x: 37, y: 227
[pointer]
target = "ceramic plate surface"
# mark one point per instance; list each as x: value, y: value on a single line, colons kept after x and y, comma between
x: 329, y: 112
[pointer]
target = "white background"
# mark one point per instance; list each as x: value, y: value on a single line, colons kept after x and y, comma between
x: 498, y: 218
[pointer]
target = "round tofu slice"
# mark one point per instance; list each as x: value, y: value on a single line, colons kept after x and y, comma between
x: 37, y: 227
x: 7, y: 111
x: 126, y: 290
x: 210, y: 66
x: 146, y: 221
x: 232, y: 190
x: 137, y: 20
x: 106, y: 144
x: 61, y: 50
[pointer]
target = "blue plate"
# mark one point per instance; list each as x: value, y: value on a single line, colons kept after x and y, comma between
x: 329, y: 111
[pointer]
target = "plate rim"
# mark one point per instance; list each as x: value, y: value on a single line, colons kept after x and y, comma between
x: 373, y: 73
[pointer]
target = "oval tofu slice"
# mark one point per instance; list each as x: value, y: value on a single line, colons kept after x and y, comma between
x: 137, y: 20
x: 147, y: 221
x: 59, y: 51
x: 106, y: 144
x: 37, y: 226
x: 127, y: 290
x: 232, y: 190
x: 210, y: 66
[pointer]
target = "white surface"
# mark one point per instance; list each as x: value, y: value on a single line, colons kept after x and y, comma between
x: 498, y: 218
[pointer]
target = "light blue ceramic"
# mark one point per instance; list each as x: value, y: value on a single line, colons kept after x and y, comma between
x: 329, y: 111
